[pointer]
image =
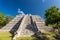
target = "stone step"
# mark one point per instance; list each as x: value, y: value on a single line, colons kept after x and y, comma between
x: 12, y: 23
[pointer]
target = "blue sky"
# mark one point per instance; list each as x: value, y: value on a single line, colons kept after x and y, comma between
x: 35, y: 7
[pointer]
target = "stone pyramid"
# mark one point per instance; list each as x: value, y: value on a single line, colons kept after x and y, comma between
x: 25, y: 25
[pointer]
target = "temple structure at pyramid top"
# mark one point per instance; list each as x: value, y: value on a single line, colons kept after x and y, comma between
x: 25, y: 25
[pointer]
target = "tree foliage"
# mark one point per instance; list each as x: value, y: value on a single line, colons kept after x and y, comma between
x: 52, y: 15
x: 4, y: 19
x: 1, y: 19
x: 8, y: 18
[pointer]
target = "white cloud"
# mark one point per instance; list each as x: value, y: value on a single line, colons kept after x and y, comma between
x: 19, y: 11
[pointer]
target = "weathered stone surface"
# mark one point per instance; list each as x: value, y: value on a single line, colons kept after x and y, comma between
x: 41, y: 24
x: 12, y: 23
x: 26, y: 25
x: 26, y: 28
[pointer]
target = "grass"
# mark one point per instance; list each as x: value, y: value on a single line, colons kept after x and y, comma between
x: 27, y: 38
x: 49, y: 33
x: 5, y: 36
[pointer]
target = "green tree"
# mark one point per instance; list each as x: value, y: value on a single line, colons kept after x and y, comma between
x: 52, y: 16
x: 4, y: 19
x: 1, y: 20
x: 8, y: 19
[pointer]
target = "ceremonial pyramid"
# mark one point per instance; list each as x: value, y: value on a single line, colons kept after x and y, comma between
x: 25, y: 25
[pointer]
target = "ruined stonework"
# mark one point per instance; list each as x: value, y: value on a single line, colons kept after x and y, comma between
x: 12, y: 24
x: 26, y: 25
